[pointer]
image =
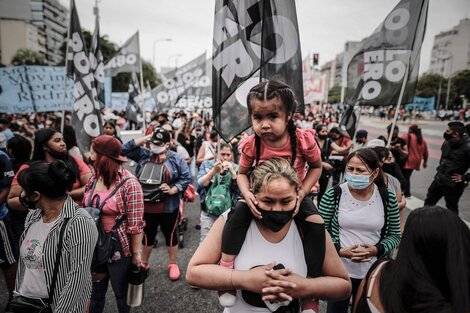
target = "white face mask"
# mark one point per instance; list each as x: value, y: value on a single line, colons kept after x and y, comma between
x: 158, y: 149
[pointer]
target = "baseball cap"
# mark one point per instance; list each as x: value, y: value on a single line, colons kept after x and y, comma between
x: 362, y: 133
x: 375, y: 143
x: 109, y: 146
x: 160, y: 135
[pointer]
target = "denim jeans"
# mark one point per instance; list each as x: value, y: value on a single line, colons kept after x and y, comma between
x: 118, y: 270
x: 206, y: 223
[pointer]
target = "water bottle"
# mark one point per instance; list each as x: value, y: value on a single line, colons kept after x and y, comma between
x: 135, y: 290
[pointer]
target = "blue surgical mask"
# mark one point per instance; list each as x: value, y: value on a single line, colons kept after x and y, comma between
x: 357, y: 181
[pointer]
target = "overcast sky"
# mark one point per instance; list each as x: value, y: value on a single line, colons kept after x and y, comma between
x: 324, y: 26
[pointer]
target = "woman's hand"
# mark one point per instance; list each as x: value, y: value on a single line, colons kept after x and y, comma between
x: 136, y: 259
x: 371, y: 250
x: 169, y: 190
x: 279, y: 287
x: 356, y: 253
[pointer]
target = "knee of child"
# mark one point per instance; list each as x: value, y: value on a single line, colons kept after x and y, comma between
x: 316, y: 218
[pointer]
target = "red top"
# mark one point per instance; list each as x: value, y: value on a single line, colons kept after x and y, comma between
x: 307, y: 151
x: 416, y: 152
x: 130, y: 204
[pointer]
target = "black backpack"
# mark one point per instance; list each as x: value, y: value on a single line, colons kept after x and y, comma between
x: 151, y: 178
x: 104, y: 244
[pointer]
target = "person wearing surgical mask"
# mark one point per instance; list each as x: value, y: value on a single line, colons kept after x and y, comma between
x: 165, y: 213
x: 272, y: 254
x: 362, y: 218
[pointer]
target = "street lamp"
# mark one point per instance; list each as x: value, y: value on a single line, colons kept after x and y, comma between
x: 444, y: 55
x: 154, y: 43
x: 176, y: 56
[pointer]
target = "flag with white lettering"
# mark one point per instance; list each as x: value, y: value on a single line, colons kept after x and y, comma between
x: 390, y: 55
x: 86, y: 116
x: 190, y: 80
x: 254, y: 40
x: 96, y: 63
x: 127, y: 59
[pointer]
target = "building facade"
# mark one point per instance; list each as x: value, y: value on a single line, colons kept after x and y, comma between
x: 39, y: 25
x: 451, y: 50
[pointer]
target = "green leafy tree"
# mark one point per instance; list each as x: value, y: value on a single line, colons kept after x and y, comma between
x: 461, y: 84
x: 428, y: 86
x: 27, y: 57
x: 121, y: 81
x: 334, y: 94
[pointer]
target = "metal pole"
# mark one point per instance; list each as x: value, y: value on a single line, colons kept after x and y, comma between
x: 400, y: 97
x: 64, y: 98
x: 144, y: 125
x: 448, y: 84
x: 439, y: 93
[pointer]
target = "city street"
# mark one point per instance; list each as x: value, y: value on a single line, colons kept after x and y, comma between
x: 162, y: 295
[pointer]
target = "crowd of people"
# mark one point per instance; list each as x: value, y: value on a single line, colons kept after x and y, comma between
x: 72, y: 221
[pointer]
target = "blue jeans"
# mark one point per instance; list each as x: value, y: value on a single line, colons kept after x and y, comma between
x: 342, y: 305
x: 118, y: 271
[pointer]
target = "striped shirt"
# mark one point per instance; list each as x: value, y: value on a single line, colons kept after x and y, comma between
x: 130, y: 203
x: 73, y: 286
x: 389, y: 234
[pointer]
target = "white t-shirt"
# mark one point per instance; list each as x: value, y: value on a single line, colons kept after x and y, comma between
x: 256, y: 251
x: 31, y: 254
x: 359, y: 222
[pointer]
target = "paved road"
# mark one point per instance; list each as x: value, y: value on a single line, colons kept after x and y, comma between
x: 162, y: 295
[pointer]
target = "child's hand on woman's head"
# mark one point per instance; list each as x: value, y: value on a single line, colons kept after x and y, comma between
x: 252, y: 203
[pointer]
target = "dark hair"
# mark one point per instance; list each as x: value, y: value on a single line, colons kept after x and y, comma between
x: 20, y: 150
x: 381, y: 152
x: 268, y: 90
x: 106, y: 168
x: 457, y: 127
x: 5, y: 121
x: 69, y: 137
x: 41, y: 139
x: 431, y: 272
x: 336, y: 130
x: 389, y: 128
x: 51, y: 179
x: 414, y: 129
x: 371, y: 160
x: 319, y: 127
x: 214, y: 135
x: 467, y: 128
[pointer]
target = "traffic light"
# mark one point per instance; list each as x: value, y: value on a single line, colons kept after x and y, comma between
x: 316, y: 58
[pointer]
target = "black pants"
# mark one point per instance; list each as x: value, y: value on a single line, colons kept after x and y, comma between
x: 451, y: 195
x: 341, y: 306
x: 323, y: 182
x: 407, y: 174
x: 313, y: 234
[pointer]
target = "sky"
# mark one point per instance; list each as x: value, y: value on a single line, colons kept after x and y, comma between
x: 324, y: 26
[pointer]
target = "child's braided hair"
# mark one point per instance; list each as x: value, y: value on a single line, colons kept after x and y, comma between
x: 268, y: 90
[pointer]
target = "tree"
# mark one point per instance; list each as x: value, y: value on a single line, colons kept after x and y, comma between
x: 334, y: 94
x: 121, y: 81
x: 461, y: 83
x: 28, y: 57
x: 428, y: 86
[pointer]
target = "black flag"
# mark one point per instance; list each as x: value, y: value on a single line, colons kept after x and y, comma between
x: 388, y: 56
x: 133, y: 111
x: 350, y: 119
x: 127, y: 59
x: 96, y: 62
x: 254, y: 40
x: 86, y: 116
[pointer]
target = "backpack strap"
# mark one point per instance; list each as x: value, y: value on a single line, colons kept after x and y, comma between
x: 90, y: 200
x: 57, y: 260
x: 113, y: 192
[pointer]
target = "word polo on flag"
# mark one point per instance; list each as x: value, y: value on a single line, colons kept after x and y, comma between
x: 127, y: 59
x: 254, y: 40
x: 388, y: 57
x: 86, y: 116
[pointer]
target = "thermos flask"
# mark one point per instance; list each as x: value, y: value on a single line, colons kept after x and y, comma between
x: 135, y: 291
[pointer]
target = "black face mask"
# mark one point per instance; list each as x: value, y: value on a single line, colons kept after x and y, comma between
x: 392, y: 169
x: 27, y: 203
x: 448, y: 136
x: 322, y: 136
x: 56, y: 155
x: 276, y: 220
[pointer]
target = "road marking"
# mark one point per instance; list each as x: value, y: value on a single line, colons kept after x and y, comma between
x: 412, y: 203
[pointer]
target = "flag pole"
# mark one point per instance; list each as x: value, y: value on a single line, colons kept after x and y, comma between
x: 144, y: 126
x: 397, y: 108
x: 64, y: 98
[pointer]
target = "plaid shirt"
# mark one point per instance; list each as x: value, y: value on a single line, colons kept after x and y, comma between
x: 130, y: 203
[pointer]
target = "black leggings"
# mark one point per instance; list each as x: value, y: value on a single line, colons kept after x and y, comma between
x: 168, y: 223
x: 312, y: 234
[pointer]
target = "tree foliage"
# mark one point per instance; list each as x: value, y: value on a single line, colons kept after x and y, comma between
x: 121, y: 81
x: 334, y: 94
x: 27, y: 57
x: 461, y: 83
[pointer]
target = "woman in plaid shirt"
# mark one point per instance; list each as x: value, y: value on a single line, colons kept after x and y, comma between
x: 126, y: 204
